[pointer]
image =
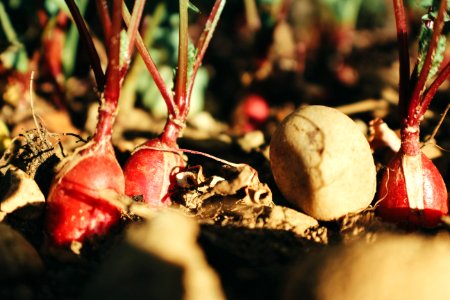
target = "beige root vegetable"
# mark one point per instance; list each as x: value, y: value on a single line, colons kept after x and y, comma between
x: 392, y: 266
x: 322, y: 163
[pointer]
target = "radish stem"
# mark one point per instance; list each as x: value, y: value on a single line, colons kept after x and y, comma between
x: 432, y: 90
x: 203, y: 42
x: 102, y: 8
x: 87, y: 40
x: 108, y: 105
x: 182, y: 74
x: 403, y: 52
x: 133, y: 26
x: 168, y: 98
x: 413, y: 116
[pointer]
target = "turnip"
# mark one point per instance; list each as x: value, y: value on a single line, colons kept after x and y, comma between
x: 322, y: 163
x: 412, y: 190
x: 77, y: 207
x: 149, y: 172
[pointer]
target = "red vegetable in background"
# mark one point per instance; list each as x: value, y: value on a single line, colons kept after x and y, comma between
x: 77, y: 207
x: 412, y: 190
x: 149, y: 172
x: 251, y: 114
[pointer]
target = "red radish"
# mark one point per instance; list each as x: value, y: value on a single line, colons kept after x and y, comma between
x: 77, y: 207
x: 412, y: 190
x: 149, y: 172
x: 251, y: 113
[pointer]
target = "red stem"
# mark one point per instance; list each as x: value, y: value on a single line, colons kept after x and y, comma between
x: 414, y: 117
x: 86, y: 39
x: 431, y: 91
x: 108, y: 105
x: 410, y: 138
x: 171, y: 132
x: 403, y: 53
x: 203, y: 44
x: 182, y: 71
x: 133, y: 28
x: 102, y: 8
x: 150, y: 64
x: 138, y: 8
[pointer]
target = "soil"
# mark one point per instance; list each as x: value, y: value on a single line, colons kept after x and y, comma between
x: 241, y: 232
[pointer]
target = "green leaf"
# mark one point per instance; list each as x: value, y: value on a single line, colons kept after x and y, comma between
x: 193, y: 7
x: 433, y: 7
x: 344, y: 11
x: 192, y: 55
x: 438, y: 56
x: 15, y: 56
x: 434, y: 4
x: 124, y: 42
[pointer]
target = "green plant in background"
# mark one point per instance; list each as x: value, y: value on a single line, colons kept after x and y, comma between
x: 15, y: 56
x: 344, y: 12
x: 163, y: 44
x: 69, y: 37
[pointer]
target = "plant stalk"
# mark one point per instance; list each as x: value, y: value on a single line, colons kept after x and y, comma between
x: 432, y: 90
x: 102, y: 9
x: 109, y: 103
x: 182, y: 71
x: 150, y: 64
x: 403, y: 54
x: 203, y: 44
x: 413, y: 111
x: 86, y: 38
x: 138, y: 8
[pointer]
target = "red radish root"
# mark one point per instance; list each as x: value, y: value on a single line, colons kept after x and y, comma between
x: 149, y: 172
x: 412, y: 190
x: 397, y: 208
x: 76, y: 208
x: 77, y: 205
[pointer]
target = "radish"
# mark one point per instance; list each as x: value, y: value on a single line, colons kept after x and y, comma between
x: 412, y: 190
x: 77, y: 207
x: 251, y: 114
x: 149, y: 172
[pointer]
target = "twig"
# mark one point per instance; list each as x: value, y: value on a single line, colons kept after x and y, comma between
x: 33, y: 113
x: 436, y: 129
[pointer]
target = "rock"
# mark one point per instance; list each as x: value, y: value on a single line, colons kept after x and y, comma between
x: 322, y: 163
x: 20, y: 194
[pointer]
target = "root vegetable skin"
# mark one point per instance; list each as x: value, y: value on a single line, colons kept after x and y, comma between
x: 394, y: 205
x: 150, y: 172
x: 76, y: 207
